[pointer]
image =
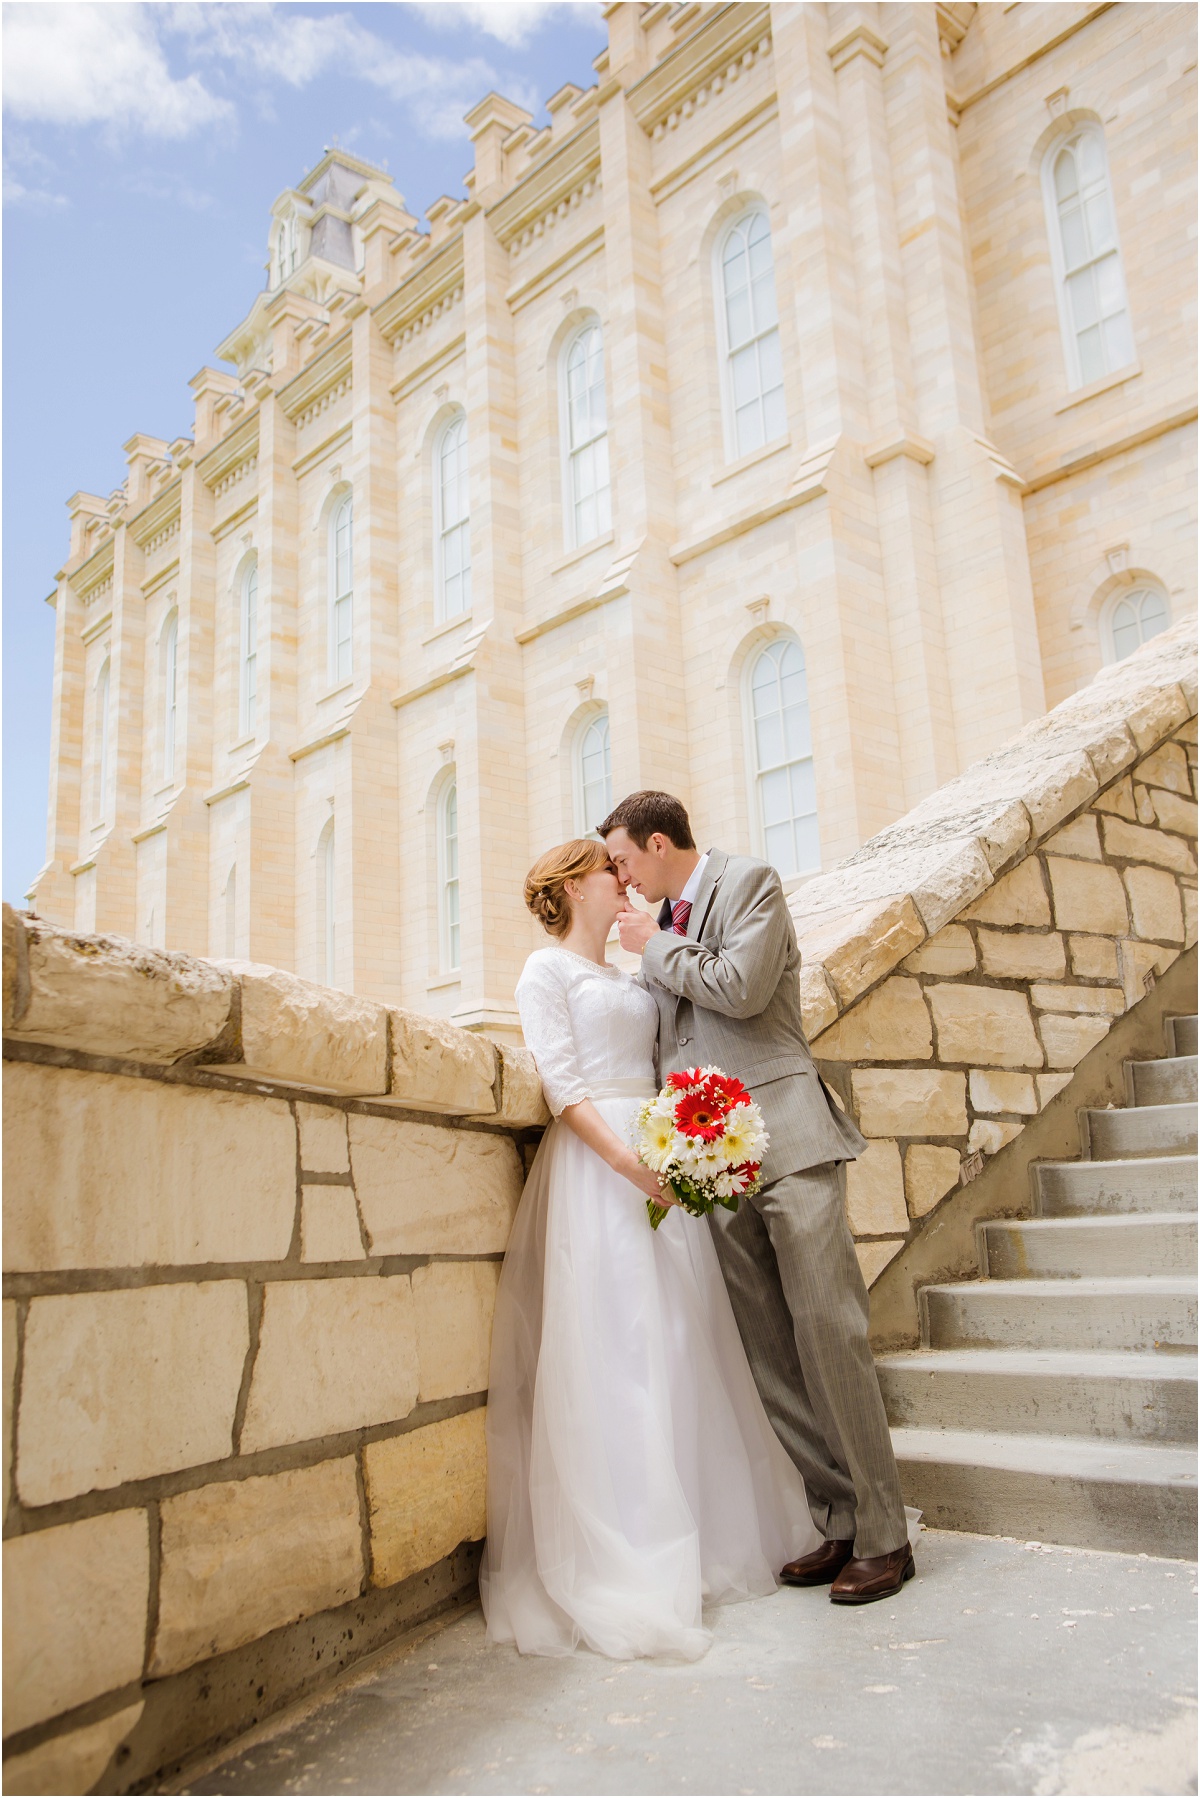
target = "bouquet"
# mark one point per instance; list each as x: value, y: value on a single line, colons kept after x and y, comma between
x: 704, y: 1134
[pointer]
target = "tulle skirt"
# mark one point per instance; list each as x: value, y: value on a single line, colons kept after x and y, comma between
x: 632, y: 1473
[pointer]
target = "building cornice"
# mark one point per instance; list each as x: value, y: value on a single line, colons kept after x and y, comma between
x: 92, y: 574
x: 810, y: 481
x: 439, y: 275
x: 157, y: 517
x: 303, y: 394
x: 558, y: 177
x: 724, y: 37
x: 238, y: 447
x: 1172, y: 421
x: 1026, y: 62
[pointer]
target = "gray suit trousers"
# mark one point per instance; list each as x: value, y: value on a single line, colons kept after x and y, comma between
x: 802, y: 1309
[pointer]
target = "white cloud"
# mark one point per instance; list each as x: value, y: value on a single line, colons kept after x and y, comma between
x: 81, y: 64
x: 511, y: 22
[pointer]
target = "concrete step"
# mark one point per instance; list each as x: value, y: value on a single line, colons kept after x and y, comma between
x: 1167, y: 1082
x: 1183, y: 1035
x: 1125, y: 1314
x: 1065, y: 1248
x: 1141, y: 1131
x: 1079, y: 1188
x: 1133, y: 1497
x: 1122, y: 1398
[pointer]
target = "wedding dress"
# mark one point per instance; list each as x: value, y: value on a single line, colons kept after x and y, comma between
x: 632, y: 1473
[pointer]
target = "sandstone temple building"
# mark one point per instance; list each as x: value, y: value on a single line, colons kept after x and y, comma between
x: 806, y: 407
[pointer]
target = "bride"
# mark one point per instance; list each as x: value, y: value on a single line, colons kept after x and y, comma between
x: 632, y: 1473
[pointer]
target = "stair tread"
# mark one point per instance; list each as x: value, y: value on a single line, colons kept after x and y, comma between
x: 1172, y: 1162
x: 1069, y: 1457
x: 1100, y: 1220
x: 1102, y: 1285
x: 1110, y: 1364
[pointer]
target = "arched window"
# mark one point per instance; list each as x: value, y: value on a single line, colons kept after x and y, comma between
x: 327, y: 903
x: 287, y: 244
x: 783, y: 766
x: 170, y: 694
x: 231, y: 912
x: 248, y: 681
x: 448, y: 877
x: 1092, y: 300
x: 341, y: 590
x: 100, y: 745
x: 452, y: 520
x: 593, y: 775
x: 1132, y: 619
x: 585, y: 434
x: 748, y: 322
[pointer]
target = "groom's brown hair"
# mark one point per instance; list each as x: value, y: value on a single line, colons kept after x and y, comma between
x: 642, y: 814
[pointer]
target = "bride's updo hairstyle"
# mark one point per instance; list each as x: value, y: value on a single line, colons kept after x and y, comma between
x: 545, y: 883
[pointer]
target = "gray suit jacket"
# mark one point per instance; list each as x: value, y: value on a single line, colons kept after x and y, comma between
x: 728, y: 995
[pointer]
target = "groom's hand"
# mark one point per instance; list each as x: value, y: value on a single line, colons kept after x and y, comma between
x: 635, y: 928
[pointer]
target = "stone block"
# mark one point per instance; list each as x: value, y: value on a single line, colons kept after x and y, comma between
x: 426, y: 1493
x: 1154, y: 903
x: 10, y: 1374
x: 1087, y: 897
x: 123, y: 1385
x: 818, y: 1001
x: 1050, y: 1085
x: 1156, y: 715
x: 438, y: 1067
x: 1057, y: 788
x: 1174, y: 813
x: 984, y: 1025
x: 988, y: 1136
x: 992, y: 1090
x: 454, y: 1302
x: 75, y: 1600
x: 857, y: 946
x: 104, y: 995
x: 875, y: 1191
x: 1167, y: 767
x: 333, y: 1355
x: 1094, y: 958
x: 1188, y: 895
x: 104, y: 1170
x: 16, y: 968
x: 425, y: 1189
x: 1141, y: 964
x: 522, y: 1101
x: 1188, y: 732
x: 1067, y: 1039
x: 1017, y: 898
x: 1080, y: 838
x: 1143, y: 801
x: 873, y: 1257
x: 1132, y: 842
x: 950, y: 952
x: 302, y: 1034
x: 324, y: 1145
x: 929, y: 1174
x: 889, y: 1024
x: 329, y: 1225
x: 1022, y: 954
x: 1108, y: 1000
x: 72, y: 1762
x: 242, y: 1557
x: 1118, y: 800
x: 910, y: 1102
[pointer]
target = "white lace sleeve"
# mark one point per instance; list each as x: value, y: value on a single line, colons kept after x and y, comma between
x: 546, y: 1022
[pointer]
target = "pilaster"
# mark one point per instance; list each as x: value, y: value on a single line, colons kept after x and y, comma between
x: 187, y: 822
x: 116, y: 873
x: 52, y: 893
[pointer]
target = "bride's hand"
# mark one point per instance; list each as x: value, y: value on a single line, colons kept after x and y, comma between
x: 640, y: 1176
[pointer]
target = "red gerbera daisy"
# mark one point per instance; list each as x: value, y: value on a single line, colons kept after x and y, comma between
x: 697, y: 1116
x: 684, y: 1080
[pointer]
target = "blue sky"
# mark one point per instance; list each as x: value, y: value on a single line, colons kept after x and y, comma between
x: 143, y: 147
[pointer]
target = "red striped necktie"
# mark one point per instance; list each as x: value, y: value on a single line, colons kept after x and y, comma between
x: 681, y: 911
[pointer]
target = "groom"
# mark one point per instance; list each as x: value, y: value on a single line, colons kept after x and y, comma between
x: 723, y: 965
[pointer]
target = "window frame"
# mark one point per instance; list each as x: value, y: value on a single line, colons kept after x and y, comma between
x: 733, y: 451
x: 170, y: 695
x: 449, y: 902
x: 1121, y: 597
x: 336, y: 600
x: 456, y: 421
x: 248, y: 652
x: 1066, y: 324
x: 598, y: 716
x: 569, y: 453
x: 758, y: 829
x: 101, y: 705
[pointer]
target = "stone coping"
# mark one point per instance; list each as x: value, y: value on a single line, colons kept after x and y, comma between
x: 857, y: 923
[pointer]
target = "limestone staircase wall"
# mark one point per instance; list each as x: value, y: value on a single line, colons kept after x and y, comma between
x: 969, y: 963
x: 252, y: 1234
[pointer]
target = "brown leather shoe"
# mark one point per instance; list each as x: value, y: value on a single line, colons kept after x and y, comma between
x: 818, y: 1568
x: 862, y: 1581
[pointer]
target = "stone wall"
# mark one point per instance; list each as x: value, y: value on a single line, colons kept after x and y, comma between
x: 253, y: 1232
x: 966, y: 960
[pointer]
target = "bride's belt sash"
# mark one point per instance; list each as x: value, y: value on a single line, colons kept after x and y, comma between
x: 631, y: 1088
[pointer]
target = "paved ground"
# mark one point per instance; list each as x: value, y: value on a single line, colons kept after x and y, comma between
x: 1004, y: 1667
